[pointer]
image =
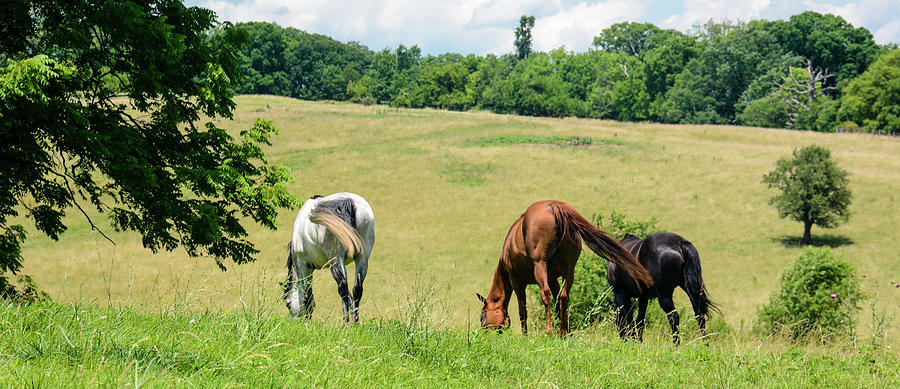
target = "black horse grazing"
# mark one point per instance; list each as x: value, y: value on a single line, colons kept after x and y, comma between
x: 672, y: 261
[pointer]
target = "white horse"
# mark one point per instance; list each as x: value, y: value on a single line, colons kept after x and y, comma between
x: 329, y: 231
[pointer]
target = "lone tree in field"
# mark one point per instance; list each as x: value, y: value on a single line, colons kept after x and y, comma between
x: 813, y: 189
x: 101, y: 106
x: 523, y: 36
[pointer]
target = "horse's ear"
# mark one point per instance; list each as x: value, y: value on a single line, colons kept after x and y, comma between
x: 481, y: 298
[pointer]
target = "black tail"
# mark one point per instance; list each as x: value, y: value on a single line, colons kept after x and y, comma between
x: 693, y: 281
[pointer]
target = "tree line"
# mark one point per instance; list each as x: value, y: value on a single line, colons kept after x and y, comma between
x: 810, y: 72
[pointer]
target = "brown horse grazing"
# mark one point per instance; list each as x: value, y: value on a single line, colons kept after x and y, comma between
x: 541, y: 246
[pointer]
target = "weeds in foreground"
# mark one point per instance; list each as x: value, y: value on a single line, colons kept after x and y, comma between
x: 61, y: 345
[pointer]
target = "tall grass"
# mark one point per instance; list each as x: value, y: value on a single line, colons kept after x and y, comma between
x: 61, y: 345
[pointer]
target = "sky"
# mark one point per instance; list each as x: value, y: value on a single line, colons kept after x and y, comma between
x: 486, y: 26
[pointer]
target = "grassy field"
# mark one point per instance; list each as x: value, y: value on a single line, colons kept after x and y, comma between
x: 58, y: 345
x: 445, y: 187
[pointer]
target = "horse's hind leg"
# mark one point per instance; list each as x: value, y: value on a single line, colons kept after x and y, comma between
x: 554, y: 291
x: 668, y: 306
x: 339, y: 272
x: 540, y: 276
x: 701, y: 320
x: 562, y: 304
x: 362, y: 266
x: 562, y: 301
x: 641, y: 314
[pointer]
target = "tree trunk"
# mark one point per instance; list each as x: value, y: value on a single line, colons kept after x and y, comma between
x: 807, y: 237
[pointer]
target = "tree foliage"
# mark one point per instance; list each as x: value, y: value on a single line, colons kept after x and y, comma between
x: 813, y: 189
x: 769, y: 111
x: 102, y: 106
x: 636, y: 72
x: 829, y: 42
x: 873, y: 99
x: 523, y: 36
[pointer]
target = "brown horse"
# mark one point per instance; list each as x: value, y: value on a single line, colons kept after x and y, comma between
x: 541, y: 246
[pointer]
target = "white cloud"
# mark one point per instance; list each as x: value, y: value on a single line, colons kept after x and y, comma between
x: 385, y: 24
x: 697, y: 12
x: 879, y: 16
x: 507, y: 12
x: 889, y: 32
x: 576, y: 26
x: 860, y: 12
x: 486, y: 26
x: 465, y: 26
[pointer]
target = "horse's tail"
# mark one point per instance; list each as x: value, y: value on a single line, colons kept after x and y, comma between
x: 290, y: 272
x: 568, y: 221
x: 346, y: 234
x: 693, y: 281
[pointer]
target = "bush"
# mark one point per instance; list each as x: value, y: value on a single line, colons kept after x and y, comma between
x: 819, y: 296
x: 590, y: 296
x: 769, y: 111
x: 26, y: 292
x: 822, y: 116
x: 848, y: 126
x: 616, y: 225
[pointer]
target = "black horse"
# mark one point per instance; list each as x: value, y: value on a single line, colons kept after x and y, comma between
x: 672, y: 261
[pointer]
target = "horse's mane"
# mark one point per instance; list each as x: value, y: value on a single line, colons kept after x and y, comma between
x: 630, y: 236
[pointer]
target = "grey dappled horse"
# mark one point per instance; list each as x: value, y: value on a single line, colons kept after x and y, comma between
x: 329, y: 231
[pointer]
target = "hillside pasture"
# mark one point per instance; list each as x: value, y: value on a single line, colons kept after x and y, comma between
x: 445, y: 187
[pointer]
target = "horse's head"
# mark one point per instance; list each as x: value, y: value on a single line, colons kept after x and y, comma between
x: 493, y: 316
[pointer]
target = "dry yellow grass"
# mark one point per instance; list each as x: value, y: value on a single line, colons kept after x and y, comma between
x: 443, y: 207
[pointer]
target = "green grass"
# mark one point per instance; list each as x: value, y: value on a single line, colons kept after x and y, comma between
x: 59, y: 345
x: 443, y: 204
x: 472, y: 174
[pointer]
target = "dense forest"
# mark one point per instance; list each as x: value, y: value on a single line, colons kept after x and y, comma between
x: 812, y: 72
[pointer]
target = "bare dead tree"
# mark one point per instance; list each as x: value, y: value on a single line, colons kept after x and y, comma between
x: 624, y: 68
x: 800, y: 94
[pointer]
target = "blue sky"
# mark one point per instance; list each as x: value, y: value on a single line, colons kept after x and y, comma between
x: 486, y: 26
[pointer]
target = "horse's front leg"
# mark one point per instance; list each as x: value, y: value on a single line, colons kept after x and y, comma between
x: 624, y: 314
x: 519, y: 288
x: 339, y: 272
x: 299, y: 296
x: 641, y: 314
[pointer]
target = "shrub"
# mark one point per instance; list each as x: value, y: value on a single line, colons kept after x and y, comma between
x: 848, y: 126
x: 769, y: 111
x: 819, y: 296
x: 821, y: 117
x: 26, y: 292
x: 616, y: 225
